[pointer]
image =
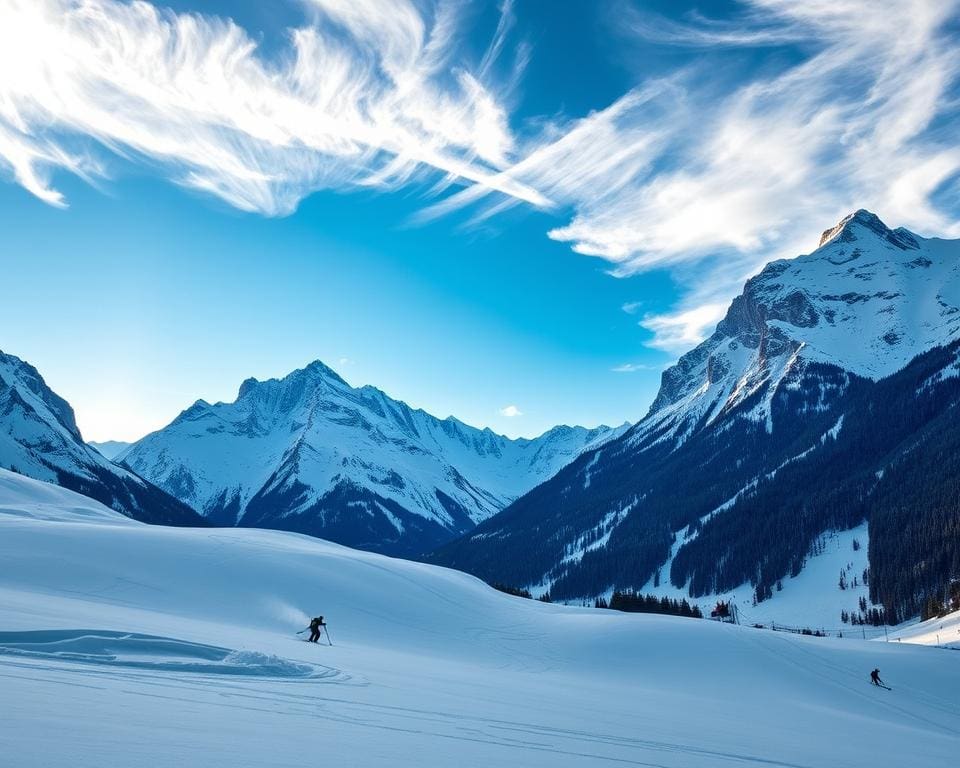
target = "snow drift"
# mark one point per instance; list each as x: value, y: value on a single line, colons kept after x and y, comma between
x: 147, y: 645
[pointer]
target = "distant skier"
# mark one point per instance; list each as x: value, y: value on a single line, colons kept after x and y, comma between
x: 315, y: 625
x: 875, y: 678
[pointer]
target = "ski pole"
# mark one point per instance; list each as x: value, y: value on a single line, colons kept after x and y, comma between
x: 329, y: 641
x: 302, y: 631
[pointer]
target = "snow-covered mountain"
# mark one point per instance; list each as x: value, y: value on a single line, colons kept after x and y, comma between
x: 39, y: 438
x: 825, y: 401
x: 867, y: 301
x: 109, y: 448
x: 312, y: 454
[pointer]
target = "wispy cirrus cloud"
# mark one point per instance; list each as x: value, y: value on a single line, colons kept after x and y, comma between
x: 634, y: 367
x: 685, y: 328
x: 744, y: 167
x: 704, y: 176
x: 690, y: 169
x: 368, y: 93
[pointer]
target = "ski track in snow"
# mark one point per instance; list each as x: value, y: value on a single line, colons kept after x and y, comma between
x: 431, y: 723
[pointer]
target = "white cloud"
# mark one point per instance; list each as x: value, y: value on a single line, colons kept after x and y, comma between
x: 749, y: 30
x: 632, y: 307
x: 511, y: 411
x: 740, y: 168
x: 681, y: 171
x: 633, y: 367
x: 681, y: 330
x: 371, y: 92
x: 692, y: 169
x: 504, y: 25
x: 367, y: 94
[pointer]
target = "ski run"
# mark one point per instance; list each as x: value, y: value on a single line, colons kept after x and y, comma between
x: 123, y: 644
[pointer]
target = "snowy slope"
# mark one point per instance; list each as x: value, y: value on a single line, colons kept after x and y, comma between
x: 311, y: 453
x: 24, y: 496
x: 39, y: 438
x: 941, y: 631
x: 811, y: 600
x: 108, y: 643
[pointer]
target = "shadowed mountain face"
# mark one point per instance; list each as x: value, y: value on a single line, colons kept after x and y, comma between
x: 830, y: 376
x: 310, y: 453
x: 39, y: 438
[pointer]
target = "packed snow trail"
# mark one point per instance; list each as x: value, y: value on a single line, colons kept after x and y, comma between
x: 123, y: 644
x: 943, y: 631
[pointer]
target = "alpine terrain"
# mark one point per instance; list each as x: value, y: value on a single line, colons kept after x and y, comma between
x: 39, y: 438
x: 177, y: 647
x: 821, y: 414
x: 310, y: 453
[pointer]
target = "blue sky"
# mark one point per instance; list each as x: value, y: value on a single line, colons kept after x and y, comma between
x: 515, y: 213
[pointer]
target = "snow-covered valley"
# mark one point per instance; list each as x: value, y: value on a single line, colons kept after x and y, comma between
x: 479, y: 384
x: 123, y: 644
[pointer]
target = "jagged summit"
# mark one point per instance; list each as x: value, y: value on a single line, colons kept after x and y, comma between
x: 30, y: 378
x: 846, y: 230
x: 308, y: 452
x: 311, y: 375
x: 860, y: 216
x: 198, y: 408
x: 246, y: 387
x: 868, y: 300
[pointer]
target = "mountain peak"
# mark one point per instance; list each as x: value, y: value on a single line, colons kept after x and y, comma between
x: 312, y: 372
x: 850, y: 226
x: 319, y: 368
x: 310, y: 453
x: 194, y: 411
x: 861, y: 216
x: 247, y: 386
x: 21, y: 371
x: 316, y: 371
x: 866, y: 282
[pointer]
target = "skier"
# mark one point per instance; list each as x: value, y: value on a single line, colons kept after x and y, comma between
x: 315, y: 625
x: 875, y: 678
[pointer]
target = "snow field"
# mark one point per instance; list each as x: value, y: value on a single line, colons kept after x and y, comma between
x: 129, y: 645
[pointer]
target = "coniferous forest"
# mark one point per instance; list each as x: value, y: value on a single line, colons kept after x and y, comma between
x: 632, y: 602
x: 885, y: 452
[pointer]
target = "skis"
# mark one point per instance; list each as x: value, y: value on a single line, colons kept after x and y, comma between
x: 325, y: 630
x: 881, y: 685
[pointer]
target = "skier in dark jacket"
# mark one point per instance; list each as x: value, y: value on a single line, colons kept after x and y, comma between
x: 875, y: 677
x: 315, y: 625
